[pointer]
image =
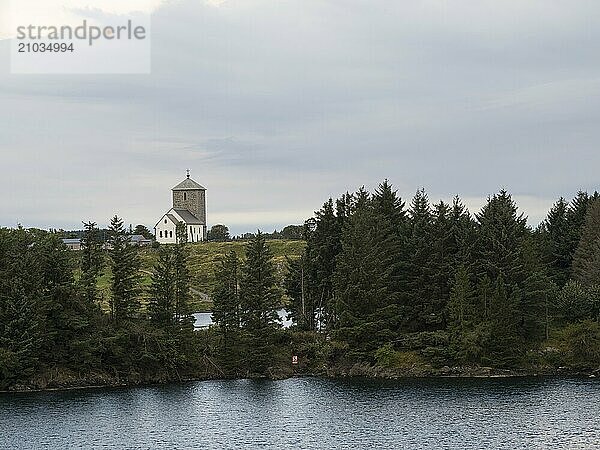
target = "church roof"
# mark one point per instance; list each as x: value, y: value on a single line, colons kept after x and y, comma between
x: 188, y: 184
x: 172, y: 218
x: 188, y: 217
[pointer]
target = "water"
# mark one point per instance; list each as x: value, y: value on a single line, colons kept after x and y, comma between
x: 311, y: 413
x: 204, y: 319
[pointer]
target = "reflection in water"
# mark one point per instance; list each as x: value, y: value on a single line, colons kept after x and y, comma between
x: 311, y: 413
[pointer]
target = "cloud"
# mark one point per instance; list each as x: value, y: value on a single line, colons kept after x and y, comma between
x: 275, y: 106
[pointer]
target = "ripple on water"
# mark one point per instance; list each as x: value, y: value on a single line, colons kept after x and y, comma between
x: 310, y: 413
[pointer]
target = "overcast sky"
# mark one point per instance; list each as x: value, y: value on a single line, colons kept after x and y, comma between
x: 277, y: 105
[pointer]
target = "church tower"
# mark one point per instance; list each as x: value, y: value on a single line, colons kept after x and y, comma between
x: 189, y: 208
x: 191, y: 196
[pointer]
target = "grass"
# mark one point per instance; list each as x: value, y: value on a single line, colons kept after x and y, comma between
x: 203, y: 261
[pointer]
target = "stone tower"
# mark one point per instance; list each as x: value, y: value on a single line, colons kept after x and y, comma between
x: 191, y: 196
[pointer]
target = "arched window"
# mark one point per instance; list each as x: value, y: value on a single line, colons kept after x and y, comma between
x: 185, y: 196
x: 165, y: 220
x: 170, y: 234
x: 161, y: 234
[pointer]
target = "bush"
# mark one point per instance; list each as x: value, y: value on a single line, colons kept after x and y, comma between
x: 580, y: 344
x: 389, y: 358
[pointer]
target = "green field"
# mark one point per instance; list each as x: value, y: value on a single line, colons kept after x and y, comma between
x: 203, y: 261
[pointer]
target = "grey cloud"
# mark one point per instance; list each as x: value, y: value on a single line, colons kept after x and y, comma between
x: 276, y: 106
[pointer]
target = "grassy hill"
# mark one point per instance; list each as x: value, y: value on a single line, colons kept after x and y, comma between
x: 203, y: 262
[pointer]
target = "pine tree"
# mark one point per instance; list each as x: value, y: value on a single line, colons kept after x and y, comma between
x: 389, y: 234
x: 501, y: 236
x: 420, y: 294
x: 556, y: 242
x: 442, y: 264
x: 21, y: 290
x: 91, y: 260
x: 320, y: 258
x: 367, y: 313
x: 389, y: 205
x: 538, y: 291
x: 181, y: 233
x: 226, y: 298
x: 462, y: 315
x: 161, y: 305
x: 586, y: 263
x: 182, y: 279
x: 461, y: 307
x: 302, y: 309
x: 576, y: 302
x: 259, y: 301
x: 503, y: 346
x: 575, y: 220
x: 462, y: 233
x: 125, y: 264
x: 68, y: 315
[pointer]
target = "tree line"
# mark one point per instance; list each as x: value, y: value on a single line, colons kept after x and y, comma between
x: 51, y: 320
x: 383, y: 278
x: 380, y: 283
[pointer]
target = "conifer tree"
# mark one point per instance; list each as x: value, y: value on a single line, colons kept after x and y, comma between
x: 443, y: 262
x: 181, y: 234
x: 125, y: 264
x: 462, y: 233
x: 226, y: 298
x: 420, y: 293
x: 576, y: 302
x: 260, y: 298
x: 461, y: 307
x: 389, y: 234
x: 67, y: 314
x: 462, y: 314
x: 182, y: 280
x: 501, y: 236
x: 388, y: 204
x: 324, y: 245
x: 92, y: 260
x: 367, y: 313
x: 556, y: 242
x: 259, y: 301
x: 503, y: 344
x: 21, y: 288
x: 586, y: 263
x: 534, y: 311
x: 576, y: 213
x: 299, y: 288
x: 162, y: 301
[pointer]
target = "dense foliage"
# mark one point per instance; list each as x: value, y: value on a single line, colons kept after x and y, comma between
x: 451, y: 288
x: 379, y: 285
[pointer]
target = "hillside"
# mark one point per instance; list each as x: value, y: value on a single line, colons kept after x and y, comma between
x: 203, y: 261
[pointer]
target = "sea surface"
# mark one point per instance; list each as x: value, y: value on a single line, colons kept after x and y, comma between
x: 316, y: 413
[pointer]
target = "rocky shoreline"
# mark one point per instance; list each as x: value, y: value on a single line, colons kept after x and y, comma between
x: 63, y: 381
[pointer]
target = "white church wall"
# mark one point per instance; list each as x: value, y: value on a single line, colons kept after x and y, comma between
x: 165, y: 232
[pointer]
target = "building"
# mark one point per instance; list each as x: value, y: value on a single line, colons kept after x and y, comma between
x: 139, y: 240
x: 189, y: 208
x: 73, y: 244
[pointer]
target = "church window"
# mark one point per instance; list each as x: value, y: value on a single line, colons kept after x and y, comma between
x: 185, y: 195
x: 161, y: 234
x: 165, y: 220
x: 170, y: 234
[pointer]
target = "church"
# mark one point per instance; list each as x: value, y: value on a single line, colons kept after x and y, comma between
x: 189, y: 207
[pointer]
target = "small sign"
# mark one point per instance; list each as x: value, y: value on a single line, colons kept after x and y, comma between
x: 294, y: 359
